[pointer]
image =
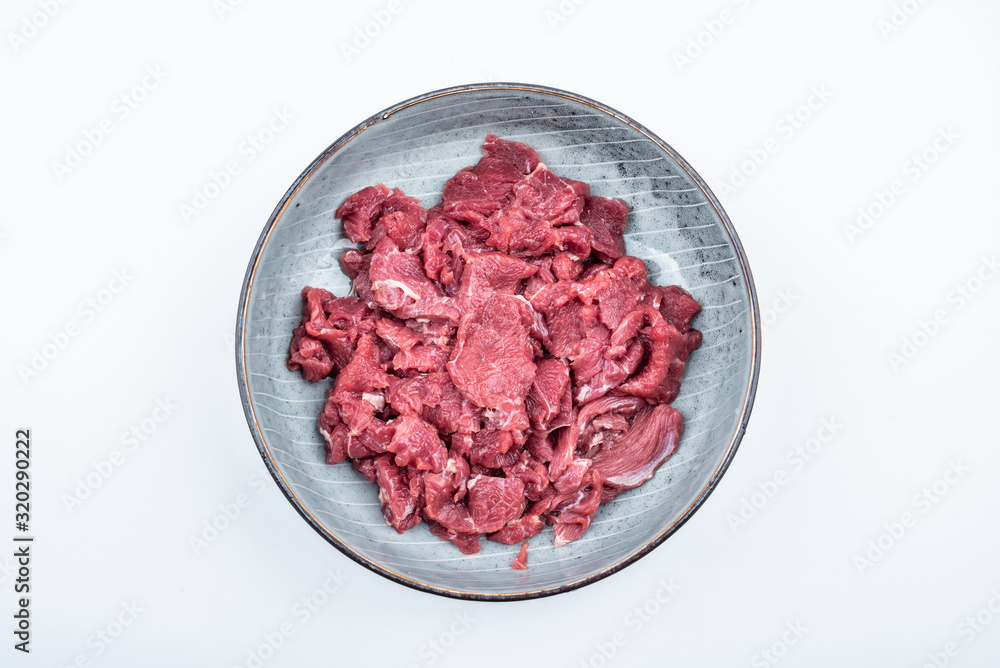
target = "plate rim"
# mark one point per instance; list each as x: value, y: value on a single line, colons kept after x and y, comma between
x: 330, y: 537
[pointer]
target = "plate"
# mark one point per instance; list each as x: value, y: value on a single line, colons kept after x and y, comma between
x: 675, y: 224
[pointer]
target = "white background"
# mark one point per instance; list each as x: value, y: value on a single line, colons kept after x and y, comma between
x: 837, y: 306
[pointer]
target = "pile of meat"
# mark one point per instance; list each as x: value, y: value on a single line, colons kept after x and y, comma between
x: 505, y: 365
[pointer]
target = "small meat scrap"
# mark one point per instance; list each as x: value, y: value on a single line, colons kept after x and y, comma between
x: 521, y: 560
x: 505, y: 366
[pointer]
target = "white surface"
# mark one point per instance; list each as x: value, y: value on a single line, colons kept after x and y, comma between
x: 168, y: 334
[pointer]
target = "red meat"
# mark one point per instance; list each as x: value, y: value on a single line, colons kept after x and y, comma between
x: 605, y: 218
x: 504, y: 365
x: 491, y: 364
x: 652, y: 438
x: 360, y: 211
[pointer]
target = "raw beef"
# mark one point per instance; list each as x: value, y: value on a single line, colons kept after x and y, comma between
x: 361, y: 210
x: 505, y: 366
x: 521, y: 560
x: 651, y: 439
x: 491, y: 364
x: 605, y: 218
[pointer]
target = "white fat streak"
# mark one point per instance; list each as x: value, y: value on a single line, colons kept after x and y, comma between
x: 644, y: 473
x: 538, y: 317
x: 528, y: 302
x: 376, y: 400
x: 587, y: 389
x: 326, y: 436
x: 389, y: 283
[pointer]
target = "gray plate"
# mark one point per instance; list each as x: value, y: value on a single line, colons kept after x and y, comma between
x: 675, y: 224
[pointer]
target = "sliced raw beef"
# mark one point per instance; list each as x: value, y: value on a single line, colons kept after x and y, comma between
x: 361, y: 210
x: 444, y: 242
x: 505, y: 365
x: 519, y: 155
x: 517, y: 530
x: 400, y: 285
x: 357, y: 266
x: 544, y: 400
x: 467, y: 543
x: 399, y: 505
x: 491, y: 364
x: 675, y: 304
x: 358, y: 389
x: 605, y: 218
x: 489, y: 448
x: 574, y: 514
x: 333, y: 431
x: 492, y: 502
x: 566, y: 266
x: 544, y: 197
x: 402, y: 220
x: 477, y: 193
x: 417, y: 444
x: 489, y: 272
x: 309, y: 355
x: 495, y: 501
x: 652, y: 438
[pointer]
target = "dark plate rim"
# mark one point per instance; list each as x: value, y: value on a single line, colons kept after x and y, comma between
x: 285, y: 488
